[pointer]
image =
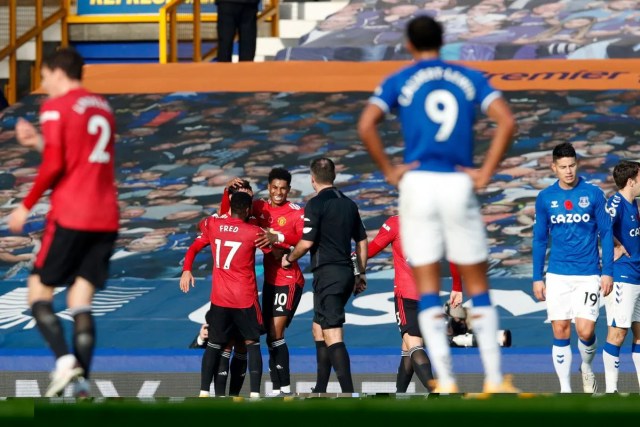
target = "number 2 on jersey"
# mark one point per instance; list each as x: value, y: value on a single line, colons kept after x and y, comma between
x: 98, y: 125
x: 234, y: 248
x: 442, y: 108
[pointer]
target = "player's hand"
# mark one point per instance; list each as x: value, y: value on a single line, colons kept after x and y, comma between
x: 478, y: 176
x: 27, y: 135
x: 606, y: 284
x: 267, y: 238
x: 619, y: 251
x: 204, y: 332
x: 540, y: 290
x: 18, y: 218
x: 185, y: 280
x: 285, y: 263
x: 361, y: 284
x: 455, y: 298
x: 235, y: 182
x: 395, y: 174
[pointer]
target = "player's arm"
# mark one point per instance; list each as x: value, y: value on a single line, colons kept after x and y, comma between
x: 455, y: 297
x: 539, y: 250
x: 311, y: 223
x: 500, y: 113
x: 51, y: 169
x: 292, y: 235
x: 187, y: 279
x: 386, y: 234
x: 28, y: 136
x: 605, y: 230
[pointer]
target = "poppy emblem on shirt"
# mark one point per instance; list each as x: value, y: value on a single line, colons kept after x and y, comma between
x: 584, y: 202
x: 282, y: 221
x: 568, y: 205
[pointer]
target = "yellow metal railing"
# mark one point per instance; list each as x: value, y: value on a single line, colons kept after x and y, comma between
x: 10, y: 51
x: 168, y: 20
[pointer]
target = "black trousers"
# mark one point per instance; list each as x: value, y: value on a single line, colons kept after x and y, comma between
x: 241, y: 18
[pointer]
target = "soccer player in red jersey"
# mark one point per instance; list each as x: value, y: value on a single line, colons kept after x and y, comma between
x: 406, y: 297
x: 77, y: 145
x: 282, y: 288
x: 234, y: 293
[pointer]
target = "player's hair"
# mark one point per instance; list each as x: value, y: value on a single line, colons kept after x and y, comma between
x: 425, y: 33
x: 240, y: 202
x: 280, y: 173
x: 624, y: 171
x: 67, y: 60
x: 323, y: 170
x: 244, y: 184
x: 564, y: 149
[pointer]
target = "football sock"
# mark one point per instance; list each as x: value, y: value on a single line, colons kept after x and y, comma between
x: 587, y: 352
x: 220, y: 383
x: 405, y: 372
x: 323, y: 367
x: 561, y: 353
x: 611, y: 359
x: 485, y: 328
x: 281, y: 356
x: 421, y: 365
x: 50, y: 327
x: 255, y: 367
x: 83, y: 337
x: 635, y: 356
x: 273, y: 373
x: 238, y: 370
x: 433, y: 329
x: 210, y: 361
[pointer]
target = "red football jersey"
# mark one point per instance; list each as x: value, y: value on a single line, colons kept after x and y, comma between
x: 404, y: 285
x: 288, y: 220
x: 78, y: 129
x: 233, y: 248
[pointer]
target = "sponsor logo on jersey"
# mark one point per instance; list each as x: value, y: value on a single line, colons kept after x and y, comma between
x: 634, y: 232
x: 584, y: 202
x: 570, y: 218
x: 282, y: 221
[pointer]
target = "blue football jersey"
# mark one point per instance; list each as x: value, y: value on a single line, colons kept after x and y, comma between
x: 574, y: 220
x: 626, y: 228
x: 436, y: 103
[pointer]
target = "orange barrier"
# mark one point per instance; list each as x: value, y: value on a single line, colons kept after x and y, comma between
x: 350, y: 76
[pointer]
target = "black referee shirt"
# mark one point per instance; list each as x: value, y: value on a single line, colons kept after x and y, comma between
x: 331, y: 221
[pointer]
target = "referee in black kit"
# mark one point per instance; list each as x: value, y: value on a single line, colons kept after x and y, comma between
x: 331, y: 221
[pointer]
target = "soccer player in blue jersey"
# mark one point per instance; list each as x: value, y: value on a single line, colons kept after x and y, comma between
x: 573, y: 214
x: 623, y: 304
x: 436, y: 103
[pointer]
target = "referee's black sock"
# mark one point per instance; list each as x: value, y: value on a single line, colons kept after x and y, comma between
x: 342, y: 365
x: 421, y: 365
x: 210, y: 362
x: 84, y: 337
x: 255, y: 367
x: 281, y: 357
x: 324, y: 367
x: 50, y: 327
x: 238, y: 370
x: 405, y: 372
x: 220, y: 383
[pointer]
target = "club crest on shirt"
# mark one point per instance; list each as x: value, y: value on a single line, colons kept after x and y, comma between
x: 282, y: 221
x: 584, y: 202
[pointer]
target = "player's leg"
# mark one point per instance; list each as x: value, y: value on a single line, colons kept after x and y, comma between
x: 422, y: 239
x: 268, y: 300
x: 466, y: 246
x: 405, y: 371
x: 323, y: 362
x: 407, y: 313
x: 635, y: 348
x: 249, y: 324
x: 586, y: 306
x: 92, y: 275
x: 619, y: 306
x: 286, y: 301
x: 560, y: 313
x: 237, y: 368
x: 219, y: 323
x: 220, y: 379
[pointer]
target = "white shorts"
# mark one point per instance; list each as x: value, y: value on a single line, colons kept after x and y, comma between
x: 570, y: 297
x: 623, y: 305
x: 440, y: 216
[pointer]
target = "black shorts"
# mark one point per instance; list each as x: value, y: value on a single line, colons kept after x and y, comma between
x: 407, y: 316
x: 332, y: 287
x: 66, y: 254
x: 279, y: 301
x: 226, y: 323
